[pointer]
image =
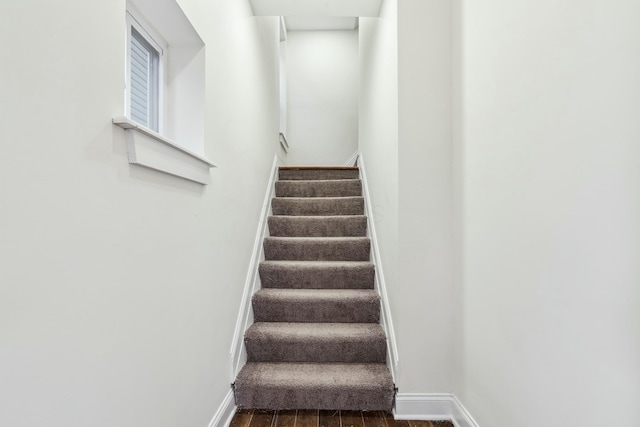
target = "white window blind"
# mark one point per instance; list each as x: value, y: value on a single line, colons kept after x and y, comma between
x: 144, y: 85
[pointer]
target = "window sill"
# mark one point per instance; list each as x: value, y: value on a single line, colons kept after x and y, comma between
x: 150, y: 149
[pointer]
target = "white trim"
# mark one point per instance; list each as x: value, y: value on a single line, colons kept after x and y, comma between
x: 462, y: 417
x: 152, y: 150
x: 353, y: 160
x: 432, y: 406
x: 225, y: 413
x: 126, y: 123
x: 252, y: 282
x: 283, y: 29
x: 423, y: 406
x: 385, y: 318
x: 136, y: 20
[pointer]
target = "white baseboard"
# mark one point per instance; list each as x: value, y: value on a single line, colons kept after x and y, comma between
x: 462, y: 417
x: 352, y: 161
x: 380, y: 284
x: 225, y: 413
x: 252, y: 281
x: 409, y: 406
x: 432, y: 406
x: 423, y: 406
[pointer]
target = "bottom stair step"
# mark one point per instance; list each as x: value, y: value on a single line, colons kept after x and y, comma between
x: 345, y: 386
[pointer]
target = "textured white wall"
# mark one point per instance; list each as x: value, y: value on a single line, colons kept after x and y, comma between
x: 120, y: 285
x: 550, y: 153
x: 322, y: 91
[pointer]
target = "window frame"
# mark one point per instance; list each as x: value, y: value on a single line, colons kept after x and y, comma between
x: 134, y: 20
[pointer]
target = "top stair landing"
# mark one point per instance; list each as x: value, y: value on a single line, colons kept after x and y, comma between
x: 318, y: 172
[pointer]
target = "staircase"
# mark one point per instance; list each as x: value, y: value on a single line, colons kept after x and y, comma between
x: 316, y: 342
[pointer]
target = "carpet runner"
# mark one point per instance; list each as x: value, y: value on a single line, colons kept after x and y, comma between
x: 316, y: 342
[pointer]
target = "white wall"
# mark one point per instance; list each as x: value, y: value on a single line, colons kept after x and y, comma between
x: 378, y: 132
x: 322, y: 76
x: 282, y: 81
x: 185, y: 97
x: 550, y: 154
x: 405, y: 126
x: 120, y: 285
x: 425, y: 239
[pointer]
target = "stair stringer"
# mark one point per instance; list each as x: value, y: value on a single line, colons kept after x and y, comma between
x: 238, y: 351
x: 380, y: 285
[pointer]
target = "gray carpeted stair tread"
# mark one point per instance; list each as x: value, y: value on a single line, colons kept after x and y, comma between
x: 317, y: 248
x: 319, y: 188
x: 317, y: 274
x: 317, y: 305
x: 333, y: 386
x: 316, y: 342
x: 318, y: 173
x: 318, y: 226
x: 318, y: 206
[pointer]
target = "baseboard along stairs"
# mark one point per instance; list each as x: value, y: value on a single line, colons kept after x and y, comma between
x: 316, y: 341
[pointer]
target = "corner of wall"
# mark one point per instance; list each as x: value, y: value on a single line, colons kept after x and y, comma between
x: 225, y: 412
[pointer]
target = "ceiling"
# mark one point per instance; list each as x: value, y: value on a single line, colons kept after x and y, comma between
x: 318, y: 14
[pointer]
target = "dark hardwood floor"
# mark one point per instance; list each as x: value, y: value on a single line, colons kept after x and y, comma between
x: 313, y: 418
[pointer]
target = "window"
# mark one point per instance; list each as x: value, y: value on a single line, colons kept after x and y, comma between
x: 143, y: 86
x: 145, y: 70
x: 165, y: 91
